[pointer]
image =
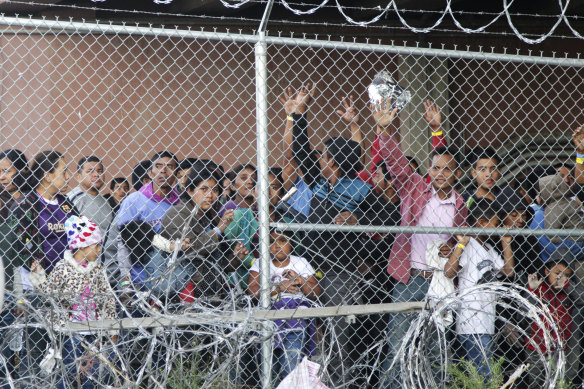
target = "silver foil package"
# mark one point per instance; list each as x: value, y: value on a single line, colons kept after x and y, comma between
x: 383, y: 87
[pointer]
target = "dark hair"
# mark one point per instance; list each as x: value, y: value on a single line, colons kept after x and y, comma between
x: 289, y: 234
x: 346, y: 153
x: 187, y: 163
x: 553, y: 262
x: 163, y: 154
x: 413, y: 161
x: 199, y: 175
x: 137, y: 236
x: 20, y: 163
x: 44, y: 162
x: 481, y: 209
x: 139, y: 172
x: 479, y: 153
x: 447, y: 150
x: 381, y: 164
x: 276, y: 172
x: 241, y: 167
x: 84, y: 160
x: 116, y: 181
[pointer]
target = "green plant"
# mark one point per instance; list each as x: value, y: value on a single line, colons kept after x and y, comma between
x: 464, y: 375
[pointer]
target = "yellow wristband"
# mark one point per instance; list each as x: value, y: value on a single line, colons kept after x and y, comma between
x: 290, y: 118
x: 437, y: 133
x: 580, y: 161
x: 460, y: 245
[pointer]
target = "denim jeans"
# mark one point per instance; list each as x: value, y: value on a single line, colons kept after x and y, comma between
x: 478, y: 348
x: 291, y: 353
x: 174, y: 281
x: 75, y: 356
x: 399, y: 323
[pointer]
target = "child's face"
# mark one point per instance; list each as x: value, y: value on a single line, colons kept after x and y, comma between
x: 486, y: 173
x: 515, y: 219
x: 91, y: 253
x: 280, y: 246
x: 275, y: 190
x: 205, y: 194
x: 557, y: 276
x: 488, y: 223
x: 244, y: 183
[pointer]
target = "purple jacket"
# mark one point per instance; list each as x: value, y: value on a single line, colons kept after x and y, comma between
x: 414, y: 193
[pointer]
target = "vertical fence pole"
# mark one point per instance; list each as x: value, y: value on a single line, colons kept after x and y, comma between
x: 261, y: 75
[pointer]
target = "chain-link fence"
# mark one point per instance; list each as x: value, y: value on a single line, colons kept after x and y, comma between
x: 265, y: 203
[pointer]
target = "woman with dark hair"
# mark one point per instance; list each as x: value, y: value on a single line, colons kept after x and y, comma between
x: 243, y: 188
x: 203, y: 238
x: 38, y: 220
x: 14, y: 174
x: 38, y: 217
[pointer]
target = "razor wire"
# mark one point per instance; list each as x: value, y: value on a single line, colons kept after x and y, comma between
x: 124, y: 92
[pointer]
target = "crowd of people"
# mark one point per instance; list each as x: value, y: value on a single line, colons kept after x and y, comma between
x: 189, y: 229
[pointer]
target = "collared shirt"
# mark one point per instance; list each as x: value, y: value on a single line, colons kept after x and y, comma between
x: 436, y: 213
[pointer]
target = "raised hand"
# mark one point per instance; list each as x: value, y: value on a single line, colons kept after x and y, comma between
x: 226, y: 219
x: 432, y: 114
x: 533, y: 281
x: 383, y: 113
x: 350, y: 115
x: 300, y: 102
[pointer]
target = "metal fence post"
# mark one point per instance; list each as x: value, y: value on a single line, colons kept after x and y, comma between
x: 263, y: 202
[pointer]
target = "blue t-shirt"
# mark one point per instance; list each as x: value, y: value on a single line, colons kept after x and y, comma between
x: 300, y: 201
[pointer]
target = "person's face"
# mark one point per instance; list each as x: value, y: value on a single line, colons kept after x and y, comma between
x: 91, y: 176
x: 120, y: 191
x: 558, y: 276
x: 226, y: 187
x: 163, y: 173
x: 7, y: 173
x: 244, y: 183
x: 515, y: 219
x: 486, y: 173
x: 566, y: 175
x: 205, y: 194
x: 182, y: 176
x: 443, y: 172
x: 275, y: 189
x: 59, y: 179
x: 488, y: 223
x: 280, y: 246
x: 326, y: 164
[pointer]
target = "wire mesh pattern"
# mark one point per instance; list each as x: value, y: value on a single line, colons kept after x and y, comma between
x: 460, y: 199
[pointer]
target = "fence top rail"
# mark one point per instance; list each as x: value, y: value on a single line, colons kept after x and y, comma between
x: 57, y: 26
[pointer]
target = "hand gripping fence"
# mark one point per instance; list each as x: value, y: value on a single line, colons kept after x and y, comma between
x: 463, y: 268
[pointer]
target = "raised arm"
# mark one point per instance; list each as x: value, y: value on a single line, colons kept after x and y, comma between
x: 352, y: 118
x: 404, y: 178
x: 434, y: 118
x: 302, y: 153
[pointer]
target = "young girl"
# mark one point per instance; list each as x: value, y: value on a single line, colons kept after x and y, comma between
x: 293, y: 281
x: 83, y: 293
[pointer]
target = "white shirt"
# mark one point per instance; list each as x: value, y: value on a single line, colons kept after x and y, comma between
x: 298, y: 264
x: 476, y: 314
